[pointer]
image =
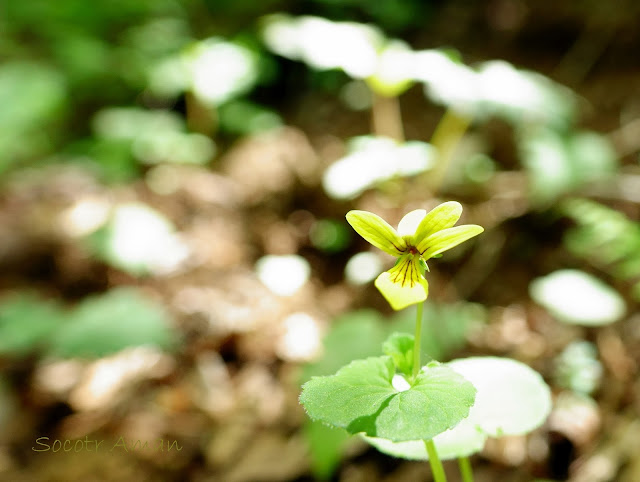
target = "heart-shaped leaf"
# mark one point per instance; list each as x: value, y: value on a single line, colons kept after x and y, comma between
x: 461, y: 441
x: 361, y: 397
x: 512, y: 399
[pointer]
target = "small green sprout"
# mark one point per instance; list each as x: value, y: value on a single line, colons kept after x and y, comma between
x: 420, y: 236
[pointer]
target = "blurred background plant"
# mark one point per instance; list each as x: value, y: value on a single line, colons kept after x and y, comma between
x: 174, y: 258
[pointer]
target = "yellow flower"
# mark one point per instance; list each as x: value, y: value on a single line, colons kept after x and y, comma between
x: 420, y: 236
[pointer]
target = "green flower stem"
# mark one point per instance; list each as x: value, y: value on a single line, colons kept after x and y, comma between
x: 436, y: 466
x: 445, y: 139
x: 416, y: 343
x: 465, y: 469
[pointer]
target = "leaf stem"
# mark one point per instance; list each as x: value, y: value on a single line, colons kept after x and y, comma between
x: 416, y: 342
x: 436, y: 466
x: 465, y: 469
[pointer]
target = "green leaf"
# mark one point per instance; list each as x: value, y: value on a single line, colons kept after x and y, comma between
x: 558, y: 161
x: 576, y: 297
x: 399, y: 347
x: 326, y: 444
x: 615, y: 248
x: 26, y: 323
x: 108, y: 323
x: 362, y: 398
x: 394, y: 72
x: 577, y: 368
x: 33, y: 97
x: 461, y: 441
x: 444, y: 330
x: 356, y: 391
x: 547, y: 162
x: 593, y: 156
x: 512, y: 399
x: 376, y: 231
x: 530, y: 99
x: 31, y: 94
x: 447, y: 239
x: 242, y: 117
x: 400, y: 297
x: 367, y: 165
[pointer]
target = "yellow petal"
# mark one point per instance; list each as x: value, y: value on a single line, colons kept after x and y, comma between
x: 377, y: 231
x: 448, y: 238
x: 441, y: 217
x: 399, y: 297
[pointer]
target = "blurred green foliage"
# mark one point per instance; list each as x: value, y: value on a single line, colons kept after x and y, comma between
x: 105, y: 324
x: 578, y: 369
x: 98, y: 326
x: 33, y: 98
x: 326, y: 444
x: 154, y: 136
x: 158, y: 80
x: 559, y: 162
x: 79, y: 58
x: 64, y: 64
x: 330, y: 235
x: 242, y: 117
x: 606, y: 238
x: 27, y: 323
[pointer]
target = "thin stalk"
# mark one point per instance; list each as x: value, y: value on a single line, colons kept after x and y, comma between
x: 386, y: 118
x: 446, y: 138
x: 436, y: 466
x: 416, y: 342
x: 465, y: 469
